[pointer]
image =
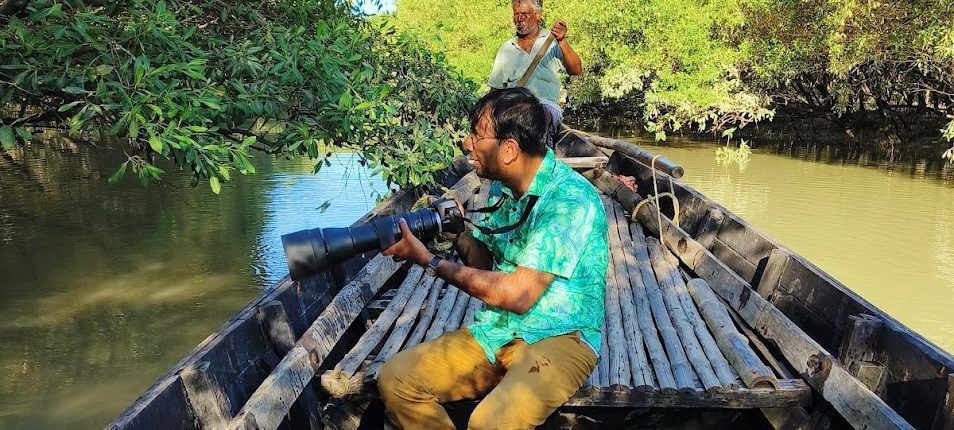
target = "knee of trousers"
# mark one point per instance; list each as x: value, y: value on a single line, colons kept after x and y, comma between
x: 388, y: 378
x: 396, y: 376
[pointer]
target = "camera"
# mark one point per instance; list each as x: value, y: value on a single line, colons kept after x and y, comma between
x: 312, y: 251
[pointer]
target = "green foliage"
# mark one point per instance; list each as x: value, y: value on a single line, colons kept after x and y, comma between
x: 719, y: 64
x: 202, y: 83
x: 678, y: 57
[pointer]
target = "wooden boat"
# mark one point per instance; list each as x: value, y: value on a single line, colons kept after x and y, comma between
x: 705, y: 315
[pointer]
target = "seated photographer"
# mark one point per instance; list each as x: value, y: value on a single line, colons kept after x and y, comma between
x: 538, y: 262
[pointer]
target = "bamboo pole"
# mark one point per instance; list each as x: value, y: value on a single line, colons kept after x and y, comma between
x: 430, y: 309
x: 641, y: 266
x: 681, y: 370
x: 403, y: 325
x: 721, y: 366
x: 662, y: 163
x: 668, y: 275
x: 753, y: 372
x: 443, y: 312
x: 619, y: 369
x: 622, y: 250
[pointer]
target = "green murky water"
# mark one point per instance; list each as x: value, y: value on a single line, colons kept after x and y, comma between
x: 103, y: 288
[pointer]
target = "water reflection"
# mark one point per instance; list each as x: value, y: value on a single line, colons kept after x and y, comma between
x: 885, y: 229
x: 105, y: 287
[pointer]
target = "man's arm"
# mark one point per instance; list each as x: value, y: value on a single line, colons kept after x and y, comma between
x: 571, y: 61
x: 516, y: 292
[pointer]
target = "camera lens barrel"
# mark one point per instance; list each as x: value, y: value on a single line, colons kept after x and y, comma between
x: 312, y: 251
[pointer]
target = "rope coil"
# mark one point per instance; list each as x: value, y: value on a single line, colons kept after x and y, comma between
x: 655, y: 199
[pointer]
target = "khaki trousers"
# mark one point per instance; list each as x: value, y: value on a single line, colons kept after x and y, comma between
x: 528, y: 382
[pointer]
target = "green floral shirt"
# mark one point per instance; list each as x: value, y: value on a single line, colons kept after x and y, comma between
x: 565, y: 235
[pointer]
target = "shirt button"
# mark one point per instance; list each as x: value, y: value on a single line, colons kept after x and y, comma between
x: 514, y: 334
x: 510, y: 240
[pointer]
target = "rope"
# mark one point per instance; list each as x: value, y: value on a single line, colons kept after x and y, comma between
x: 655, y: 199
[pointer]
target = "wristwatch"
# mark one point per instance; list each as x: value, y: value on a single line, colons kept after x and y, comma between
x: 431, y: 268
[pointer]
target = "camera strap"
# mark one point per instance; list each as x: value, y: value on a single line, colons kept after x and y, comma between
x: 531, y: 202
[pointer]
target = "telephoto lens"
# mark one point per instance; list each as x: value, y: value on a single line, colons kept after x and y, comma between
x: 312, y: 251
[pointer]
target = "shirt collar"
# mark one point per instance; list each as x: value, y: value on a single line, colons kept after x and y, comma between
x: 540, y: 179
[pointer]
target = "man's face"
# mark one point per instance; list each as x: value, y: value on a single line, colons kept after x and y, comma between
x: 482, y: 148
x: 525, y: 19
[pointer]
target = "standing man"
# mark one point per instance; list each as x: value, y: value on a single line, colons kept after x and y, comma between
x: 516, y: 54
x: 538, y: 262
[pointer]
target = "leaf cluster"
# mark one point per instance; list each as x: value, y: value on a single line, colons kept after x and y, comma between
x: 202, y: 84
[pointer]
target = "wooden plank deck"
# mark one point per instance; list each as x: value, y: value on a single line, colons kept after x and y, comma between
x: 658, y: 350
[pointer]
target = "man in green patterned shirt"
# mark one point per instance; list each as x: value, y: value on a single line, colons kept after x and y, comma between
x: 538, y: 262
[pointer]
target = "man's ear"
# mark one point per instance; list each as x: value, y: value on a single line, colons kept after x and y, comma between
x: 509, y: 151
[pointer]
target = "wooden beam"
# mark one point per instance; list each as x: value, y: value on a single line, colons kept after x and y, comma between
x: 856, y: 350
x: 208, y: 400
x: 278, y: 330
x: 860, y: 337
x: 774, y: 267
x: 709, y: 227
x: 269, y: 404
x: 792, y: 392
x: 662, y: 163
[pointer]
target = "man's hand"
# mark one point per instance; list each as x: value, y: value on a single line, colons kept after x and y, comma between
x: 409, y: 247
x: 571, y: 61
x: 559, y: 30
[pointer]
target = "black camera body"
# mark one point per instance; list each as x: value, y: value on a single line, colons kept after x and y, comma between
x: 312, y: 251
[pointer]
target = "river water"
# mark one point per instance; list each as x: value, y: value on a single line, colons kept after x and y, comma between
x: 105, y: 287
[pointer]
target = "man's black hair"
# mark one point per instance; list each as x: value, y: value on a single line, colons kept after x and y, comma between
x: 514, y: 113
